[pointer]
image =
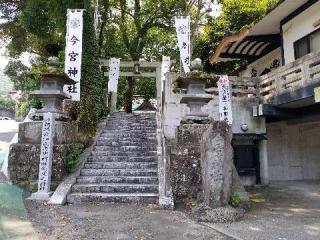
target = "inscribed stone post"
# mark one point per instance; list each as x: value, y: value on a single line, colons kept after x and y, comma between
x: 46, y: 155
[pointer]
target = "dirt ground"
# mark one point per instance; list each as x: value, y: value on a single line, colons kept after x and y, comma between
x: 115, y: 222
x: 282, y: 211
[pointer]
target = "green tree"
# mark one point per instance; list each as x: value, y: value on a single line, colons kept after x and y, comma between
x: 38, y: 26
x: 18, y: 74
x: 235, y: 15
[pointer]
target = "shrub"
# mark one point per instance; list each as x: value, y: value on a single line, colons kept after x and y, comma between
x: 234, y: 199
x: 72, y: 157
x: 7, y: 104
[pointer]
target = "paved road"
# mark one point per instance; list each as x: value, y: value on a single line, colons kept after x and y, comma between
x: 115, y: 222
x: 8, y: 129
x: 14, y: 223
x: 282, y: 211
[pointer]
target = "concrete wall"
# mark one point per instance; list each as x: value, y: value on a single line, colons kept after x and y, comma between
x: 293, y: 151
x: 6, y: 113
x: 174, y: 112
x: 299, y: 27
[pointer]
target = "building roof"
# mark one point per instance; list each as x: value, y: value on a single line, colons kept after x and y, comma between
x: 251, y: 44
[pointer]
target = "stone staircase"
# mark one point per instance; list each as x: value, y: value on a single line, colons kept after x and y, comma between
x: 122, y: 167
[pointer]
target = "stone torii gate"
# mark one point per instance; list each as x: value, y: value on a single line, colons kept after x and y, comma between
x: 136, y: 67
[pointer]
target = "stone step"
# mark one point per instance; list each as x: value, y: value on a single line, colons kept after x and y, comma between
x: 119, y: 179
x: 124, y: 153
x: 114, y: 197
x: 123, y: 132
x: 130, y: 125
x: 121, y: 165
x: 128, y: 135
x: 119, y: 172
x: 146, y: 126
x: 127, y: 139
x: 115, y: 188
x: 112, y: 143
x: 126, y: 148
x: 151, y: 140
x: 143, y: 159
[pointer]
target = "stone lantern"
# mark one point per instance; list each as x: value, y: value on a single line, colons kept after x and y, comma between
x: 196, y: 97
x: 24, y: 156
x: 51, y: 93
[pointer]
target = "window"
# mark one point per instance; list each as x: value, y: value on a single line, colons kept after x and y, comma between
x: 307, y: 44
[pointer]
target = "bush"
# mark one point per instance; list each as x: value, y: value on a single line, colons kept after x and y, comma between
x: 234, y: 200
x: 7, y: 104
x: 72, y: 158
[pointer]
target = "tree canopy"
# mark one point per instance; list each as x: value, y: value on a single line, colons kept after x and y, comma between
x: 128, y: 29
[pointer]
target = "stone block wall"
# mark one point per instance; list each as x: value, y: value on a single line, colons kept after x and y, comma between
x: 242, y: 108
x: 24, y: 156
x: 24, y: 164
x: 201, y: 163
x: 216, y: 164
x: 185, y: 162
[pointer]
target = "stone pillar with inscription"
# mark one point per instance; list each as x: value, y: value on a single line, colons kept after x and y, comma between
x: 46, y: 154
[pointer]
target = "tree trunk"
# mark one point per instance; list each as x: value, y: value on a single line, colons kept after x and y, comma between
x: 129, y: 94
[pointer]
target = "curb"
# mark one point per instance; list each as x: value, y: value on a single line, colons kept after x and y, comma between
x: 221, y: 230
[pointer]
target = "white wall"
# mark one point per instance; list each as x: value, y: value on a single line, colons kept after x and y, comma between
x: 299, y: 27
x: 262, y: 63
x: 242, y: 109
x: 294, y: 151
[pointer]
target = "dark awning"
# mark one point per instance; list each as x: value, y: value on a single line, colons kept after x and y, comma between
x: 251, y: 48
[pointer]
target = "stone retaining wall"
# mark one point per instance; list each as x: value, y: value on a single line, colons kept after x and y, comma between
x: 24, y: 164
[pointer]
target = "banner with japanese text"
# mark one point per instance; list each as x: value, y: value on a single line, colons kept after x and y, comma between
x: 114, y: 72
x: 165, y: 68
x: 225, y: 107
x: 183, y: 34
x: 73, y: 53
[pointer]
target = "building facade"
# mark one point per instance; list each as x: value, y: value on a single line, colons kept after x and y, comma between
x: 282, y: 50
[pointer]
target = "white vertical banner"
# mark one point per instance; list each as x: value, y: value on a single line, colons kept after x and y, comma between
x: 225, y: 107
x: 114, y: 73
x: 73, y: 53
x: 165, y: 68
x: 96, y: 16
x: 183, y: 34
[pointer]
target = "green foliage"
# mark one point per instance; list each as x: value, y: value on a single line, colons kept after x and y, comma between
x: 235, y: 15
x: 72, y: 158
x: 38, y: 26
x: 7, y: 103
x: 33, y: 186
x: 234, y: 199
x: 91, y: 106
x: 17, y: 72
x: 22, y: 108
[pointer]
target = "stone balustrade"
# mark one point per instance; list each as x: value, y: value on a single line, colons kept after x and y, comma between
x: 298, y: 74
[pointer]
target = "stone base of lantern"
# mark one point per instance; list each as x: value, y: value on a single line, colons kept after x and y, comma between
x: 31, y: 132
x: 58, y: 116
x: 41, y: 196
x: 196, y: 119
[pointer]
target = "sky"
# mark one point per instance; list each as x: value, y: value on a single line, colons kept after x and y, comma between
x: 4, y: 58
